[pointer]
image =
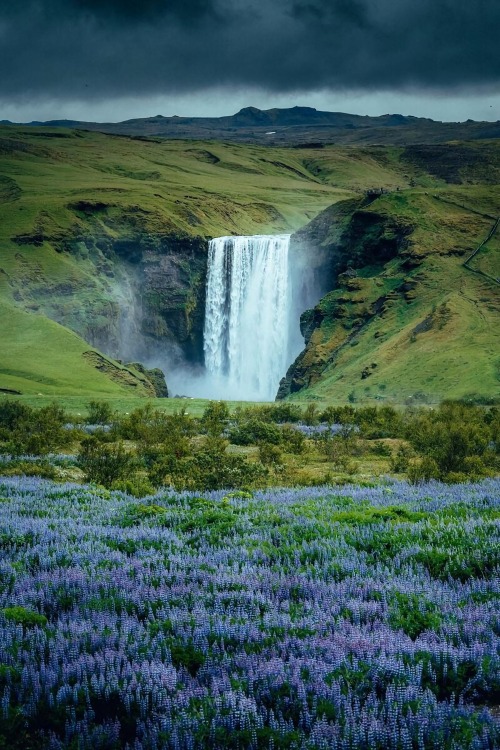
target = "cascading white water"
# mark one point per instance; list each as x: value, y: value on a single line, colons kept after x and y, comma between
x: 247, y: 315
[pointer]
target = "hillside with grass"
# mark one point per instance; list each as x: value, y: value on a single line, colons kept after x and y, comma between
x: 103, y: 240
x: 413, y: 317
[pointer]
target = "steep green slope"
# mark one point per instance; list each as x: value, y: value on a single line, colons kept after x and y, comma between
x: 406, y: 320
x: 44, y: 358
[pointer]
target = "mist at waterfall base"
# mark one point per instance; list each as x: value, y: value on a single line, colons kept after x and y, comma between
x: 256, y: 291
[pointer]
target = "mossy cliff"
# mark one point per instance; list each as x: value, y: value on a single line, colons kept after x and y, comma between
x: 132, y: 288
x: 157, y: 282
x: 405, y: 319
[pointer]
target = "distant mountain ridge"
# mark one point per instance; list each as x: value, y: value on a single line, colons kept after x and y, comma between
x: 294, y: 126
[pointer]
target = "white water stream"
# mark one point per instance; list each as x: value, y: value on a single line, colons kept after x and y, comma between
x: 247, y: 316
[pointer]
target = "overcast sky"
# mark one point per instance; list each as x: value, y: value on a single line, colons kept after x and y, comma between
x: 117, y: 59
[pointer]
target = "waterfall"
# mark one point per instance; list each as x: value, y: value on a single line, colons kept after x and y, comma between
x: 247, y: 315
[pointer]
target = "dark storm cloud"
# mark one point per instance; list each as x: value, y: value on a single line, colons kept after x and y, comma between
x: 350, y: 11
x: 126, y: 11
x: 104, y: 48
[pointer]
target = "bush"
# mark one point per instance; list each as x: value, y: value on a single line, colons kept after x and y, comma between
x: 339, y: 450
x: 254, y: 431
x: 269, y: 454
x: 105, y: 464
x: 280, y: 413
x: 311, y: 415
x: 401, y: 461
x: 338, y: 415
x: 451, y: 435
x: 210, y: 468
x: 25, y: 617
x: 423, y: 470
x: 135, y: 514
x: 135, y: 486
x: 215, y: 418
x: 12, y: 413
x: 292, y: 440
x: 380, y: 448
x: 152, y: 428
x: 33, y: 431
x: 99, y: 412
x: 28, y: 469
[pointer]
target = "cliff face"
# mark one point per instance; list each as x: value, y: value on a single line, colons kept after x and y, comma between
x: 129, y: 290
x: 168, y: 279
x: 342, y: 242
x: 405, y: 318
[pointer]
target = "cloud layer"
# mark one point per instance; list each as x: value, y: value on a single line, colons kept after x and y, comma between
x: 92, y: 49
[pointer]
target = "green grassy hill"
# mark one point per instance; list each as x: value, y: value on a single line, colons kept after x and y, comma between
x: 42, y: 358
x: 87, y: 221
x: 408, y: 321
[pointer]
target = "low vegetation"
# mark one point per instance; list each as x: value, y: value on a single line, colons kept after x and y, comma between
x: 251, y: 446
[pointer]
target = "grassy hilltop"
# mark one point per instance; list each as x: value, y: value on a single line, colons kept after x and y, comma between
x: 80, y: 212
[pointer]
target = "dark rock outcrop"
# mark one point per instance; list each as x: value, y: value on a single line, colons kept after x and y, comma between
x: 122, y: 374
x: 155, y: 376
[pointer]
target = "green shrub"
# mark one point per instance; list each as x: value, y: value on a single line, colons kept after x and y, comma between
x: 34, y: 431
x: 29, y: 469
x: 25, y: 617
x: 151, y: 427
x: 105, y: 464
x: 423, y: 470
x: 338, y: 415
x: 135, y: 514
x: 253, y: 431
x: 99, y: 412
x: 457, y: 437
x: 339, y: 450
x: 311, y: 414
x: 292, y: 440
x: 136, y: 486
x: 215, y: 418
x: 379, y: 448
x: 269, y: 454
x: 209, y: 468
x: 413, y: 614
x: 379, y: 422
x: 281, y: 413
x: 401, y: 461
x: 12, y: 413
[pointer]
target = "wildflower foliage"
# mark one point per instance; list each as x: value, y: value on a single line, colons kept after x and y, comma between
x: 353, y: 617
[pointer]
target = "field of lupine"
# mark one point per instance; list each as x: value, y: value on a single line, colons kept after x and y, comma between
x: 355, y: 618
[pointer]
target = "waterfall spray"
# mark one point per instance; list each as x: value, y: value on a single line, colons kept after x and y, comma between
x: 247, y: 315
